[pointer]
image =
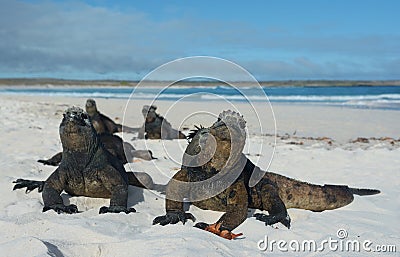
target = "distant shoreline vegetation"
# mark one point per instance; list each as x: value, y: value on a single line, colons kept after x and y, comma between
x: 128, y: 83
x: 189, y: 83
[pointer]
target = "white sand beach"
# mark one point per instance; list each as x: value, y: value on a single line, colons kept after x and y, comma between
x: 314, y: 145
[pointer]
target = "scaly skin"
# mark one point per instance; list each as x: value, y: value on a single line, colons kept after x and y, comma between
x: 273, y: 193
x: 156, y: 126
x: 86, y: 169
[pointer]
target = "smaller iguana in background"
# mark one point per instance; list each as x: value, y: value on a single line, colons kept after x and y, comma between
x: 103, y: 124
x: 156, y: 126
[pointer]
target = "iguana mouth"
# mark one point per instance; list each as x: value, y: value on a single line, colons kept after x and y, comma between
x: 74, y: 126
x: 74, y: 123
x: 75, y: 116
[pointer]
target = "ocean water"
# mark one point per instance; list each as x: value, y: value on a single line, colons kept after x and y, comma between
x: 374, y: 97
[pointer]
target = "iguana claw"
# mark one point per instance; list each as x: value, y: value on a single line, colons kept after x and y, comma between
x: 47, y: 162
x: 173, y: 217
x: 272, y: 219
x: 218, y: 230
x: 29, y: 184
x: 61, y: 208
x: 115, y: 209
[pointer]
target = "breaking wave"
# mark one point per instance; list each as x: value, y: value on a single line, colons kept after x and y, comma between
x: 384, y: 97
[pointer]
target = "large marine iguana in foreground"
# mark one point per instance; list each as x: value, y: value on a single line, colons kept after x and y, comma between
x: 86, y: 169
x: 156, y: 126
x: 213, y: 156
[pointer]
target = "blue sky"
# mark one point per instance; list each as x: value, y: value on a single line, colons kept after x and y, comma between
x: 273, y: 40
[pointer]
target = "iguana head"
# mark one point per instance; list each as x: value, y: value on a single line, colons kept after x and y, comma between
x: 76, y: 130
x: 219, y: 145
x: 91, y: 107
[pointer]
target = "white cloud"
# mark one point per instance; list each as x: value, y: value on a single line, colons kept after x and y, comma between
x: 59, y: 38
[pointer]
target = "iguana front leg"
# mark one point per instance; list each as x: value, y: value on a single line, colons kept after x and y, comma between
x: 51, y: 196
x: 52, y: 189
x: 115, y: 183
x: 118, y: 201
x: 237, y: 204
x: 175, y: 211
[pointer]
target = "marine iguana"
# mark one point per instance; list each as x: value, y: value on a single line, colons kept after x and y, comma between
x: 217, y: 151
x: 156, y: 126
x: 86, y: 169
x: 124, y: 151
x: 105, y: 127
x: 103, y: 124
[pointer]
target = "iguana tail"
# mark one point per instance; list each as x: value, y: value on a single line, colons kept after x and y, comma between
x: 143, y: 180
x: 302, y: 195
x: 362, y: 191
